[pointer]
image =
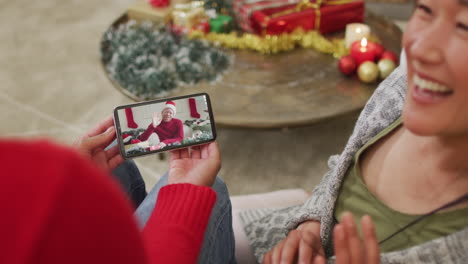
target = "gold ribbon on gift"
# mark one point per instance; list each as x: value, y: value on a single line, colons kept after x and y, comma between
x: 304, y: 5
x: 272, y: 44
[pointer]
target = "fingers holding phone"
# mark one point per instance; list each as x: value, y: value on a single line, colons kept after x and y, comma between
x: 92, y: 145
x: 198, y: 166
x: 195, y: 156
x: 175, y: 122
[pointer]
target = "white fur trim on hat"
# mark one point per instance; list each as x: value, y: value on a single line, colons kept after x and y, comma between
x: 170, y: 105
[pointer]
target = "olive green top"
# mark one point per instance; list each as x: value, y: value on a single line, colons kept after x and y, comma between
x: 355, y: 197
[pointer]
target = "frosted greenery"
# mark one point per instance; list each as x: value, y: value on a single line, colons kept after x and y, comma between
x: 149, y: 61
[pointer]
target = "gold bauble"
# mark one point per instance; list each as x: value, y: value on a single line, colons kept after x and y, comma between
x: 368, y: 72
x: 386, y: 67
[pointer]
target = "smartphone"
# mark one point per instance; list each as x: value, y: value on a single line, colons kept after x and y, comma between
x: 161, y: 125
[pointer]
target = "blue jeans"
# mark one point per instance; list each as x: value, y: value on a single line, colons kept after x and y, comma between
x: 129, y: 177
x: 218, y: 243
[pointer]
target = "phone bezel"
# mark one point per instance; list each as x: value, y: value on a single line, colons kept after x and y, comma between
x: 170, y: 148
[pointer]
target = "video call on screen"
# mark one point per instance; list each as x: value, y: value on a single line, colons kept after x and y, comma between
x: 184, y: 122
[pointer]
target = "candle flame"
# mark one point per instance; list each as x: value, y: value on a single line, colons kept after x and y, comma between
x: 364, y: 42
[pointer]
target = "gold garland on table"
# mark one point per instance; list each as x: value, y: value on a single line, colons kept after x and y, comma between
x: 272, y: 44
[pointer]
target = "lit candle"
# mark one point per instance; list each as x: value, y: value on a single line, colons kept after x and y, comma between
x: 355, y: 32
x: 361, y: 52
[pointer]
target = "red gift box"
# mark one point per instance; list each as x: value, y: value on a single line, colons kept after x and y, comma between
x: 203, y: 26
x: 324, y: 16
x: 243, y: 9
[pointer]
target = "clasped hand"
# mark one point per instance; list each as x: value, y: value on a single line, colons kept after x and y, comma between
x: 303, y: 245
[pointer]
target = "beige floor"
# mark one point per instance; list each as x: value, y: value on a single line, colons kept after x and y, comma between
x: 52, y: 85
x: 52, y: 82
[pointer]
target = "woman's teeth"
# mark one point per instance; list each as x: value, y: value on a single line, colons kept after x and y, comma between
x: 429, y: 85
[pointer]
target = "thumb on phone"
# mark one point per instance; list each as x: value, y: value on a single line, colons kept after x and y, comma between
x: 101, y: 140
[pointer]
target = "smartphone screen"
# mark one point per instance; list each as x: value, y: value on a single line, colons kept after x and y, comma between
x: 161, y: 125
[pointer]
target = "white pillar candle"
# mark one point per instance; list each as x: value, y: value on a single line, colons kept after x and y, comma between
x: 355, y: 32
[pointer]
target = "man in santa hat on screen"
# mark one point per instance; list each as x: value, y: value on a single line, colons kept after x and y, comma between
x: 169, y: 129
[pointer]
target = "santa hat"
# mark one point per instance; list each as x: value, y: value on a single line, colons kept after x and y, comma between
x: 170, y: 105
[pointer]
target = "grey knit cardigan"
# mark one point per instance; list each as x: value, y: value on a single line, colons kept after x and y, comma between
x: 266, y: 227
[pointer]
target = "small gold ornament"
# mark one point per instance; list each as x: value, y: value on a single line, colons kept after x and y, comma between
x: 188, y: 15
x: 368, y: 72
x: 386, y: 67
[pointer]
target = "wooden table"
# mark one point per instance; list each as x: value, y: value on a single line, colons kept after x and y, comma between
x: 289, y: 89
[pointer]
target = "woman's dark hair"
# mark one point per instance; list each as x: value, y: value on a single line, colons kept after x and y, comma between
x: 461, y: 2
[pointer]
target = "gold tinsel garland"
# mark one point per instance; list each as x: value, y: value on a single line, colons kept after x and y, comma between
x: 272, y: 44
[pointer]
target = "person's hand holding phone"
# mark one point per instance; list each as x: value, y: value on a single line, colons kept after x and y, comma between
x: 198, y: 166
x: 172, y: 130
x: 92, y: 145
x: 157, y: 118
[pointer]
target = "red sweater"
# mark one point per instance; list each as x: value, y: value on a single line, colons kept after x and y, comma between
x: 168, y: 132
x: 58, y: 208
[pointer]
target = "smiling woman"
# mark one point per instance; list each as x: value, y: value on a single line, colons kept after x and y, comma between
x: 436, y: 42
x: 406, y: 164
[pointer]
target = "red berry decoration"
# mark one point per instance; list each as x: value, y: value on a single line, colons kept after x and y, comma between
x: 377, y: 49
x: 390, y: 56
x: 347, y: 65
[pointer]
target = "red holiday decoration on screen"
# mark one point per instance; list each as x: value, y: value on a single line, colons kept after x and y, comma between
x: 193, y: 108
x: 130, y: 121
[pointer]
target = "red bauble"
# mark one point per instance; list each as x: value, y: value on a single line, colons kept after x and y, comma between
x: 377, y: 49
x: 347, y: 65
x: 390, y: 56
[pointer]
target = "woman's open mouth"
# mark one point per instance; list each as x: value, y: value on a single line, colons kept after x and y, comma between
x: 428, y: 91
